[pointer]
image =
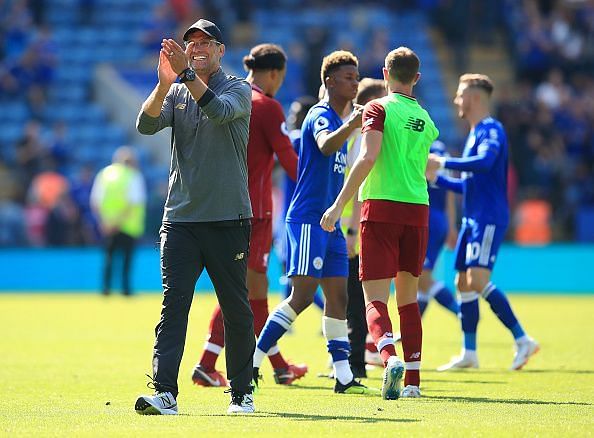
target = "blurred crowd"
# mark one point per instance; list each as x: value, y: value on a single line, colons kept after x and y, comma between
x: 548, y: 113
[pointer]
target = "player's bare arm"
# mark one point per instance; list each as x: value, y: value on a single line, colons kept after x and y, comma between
x: 330, y: 142
x: 371, y: 143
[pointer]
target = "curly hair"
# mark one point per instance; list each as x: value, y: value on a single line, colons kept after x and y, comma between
x: 335, y: 60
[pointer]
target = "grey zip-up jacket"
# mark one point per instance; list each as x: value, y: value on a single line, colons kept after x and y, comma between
x: 208, y: 178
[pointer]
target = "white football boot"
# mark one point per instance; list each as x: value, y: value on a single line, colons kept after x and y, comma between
x: 468, y: 359
x: 161, y: 403
x: 410, y: 391
x: 524, y: 349
x: 392, y: 382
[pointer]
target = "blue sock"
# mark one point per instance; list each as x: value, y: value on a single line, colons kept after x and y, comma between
x: 339, y: 349
x: 319, y: 299
x: 277, y: 324
x: 422, y: 300
x: 445, y: 297
x: 500, y: 306
x: 469, y: 311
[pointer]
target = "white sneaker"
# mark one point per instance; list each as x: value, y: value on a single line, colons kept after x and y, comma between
x: 410, y: 391
x: 392, y: 382
x: 241, y: 403
x: 524, y: 350
x: 466, y: 360
x: 161, y: 403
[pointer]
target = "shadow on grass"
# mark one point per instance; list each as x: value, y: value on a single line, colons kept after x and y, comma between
x: 504, y: 401
x: 317, y: 417
x: 488, y: 382
x: 560, y: 371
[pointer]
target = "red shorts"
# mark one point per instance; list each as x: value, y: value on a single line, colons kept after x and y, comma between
x: 387, y: 249
x: 260, y: 244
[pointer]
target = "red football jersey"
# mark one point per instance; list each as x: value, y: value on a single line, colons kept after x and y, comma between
x: 268, y: 135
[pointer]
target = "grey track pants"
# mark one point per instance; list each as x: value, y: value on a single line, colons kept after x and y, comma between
x: 186, y: 250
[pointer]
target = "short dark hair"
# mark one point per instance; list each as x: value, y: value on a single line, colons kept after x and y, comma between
x: 335, y: 60
x: 265, y: 57
x: 476, y: 80
x: 369, y: 88
x: 402, y: 65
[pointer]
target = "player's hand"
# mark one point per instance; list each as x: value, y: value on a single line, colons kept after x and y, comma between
x: 330, y: 217
x: 356, y: 117
x: 451, y: 238
x: 176, y: 56
x: 433, y: 166
x: 351, y: 242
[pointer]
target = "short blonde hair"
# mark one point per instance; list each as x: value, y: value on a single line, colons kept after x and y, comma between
x: 402, y: 64
x: 477, y: 80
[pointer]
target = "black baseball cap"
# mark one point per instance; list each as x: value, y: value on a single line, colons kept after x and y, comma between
x: 208, y: 27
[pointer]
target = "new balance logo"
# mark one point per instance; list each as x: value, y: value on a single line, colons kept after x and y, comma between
x: 417, y: 125
x: 167, y: 403
x: 239, y: 256
x: 180, y: 106
x: 415, y: 355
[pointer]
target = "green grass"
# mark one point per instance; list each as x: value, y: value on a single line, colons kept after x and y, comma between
x: 73, y: 365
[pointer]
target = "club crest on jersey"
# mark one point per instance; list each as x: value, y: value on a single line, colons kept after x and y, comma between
x: 322, y: 122
x: 318, y: 262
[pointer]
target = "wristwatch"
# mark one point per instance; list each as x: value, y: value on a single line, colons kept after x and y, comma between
x: 187, y: 75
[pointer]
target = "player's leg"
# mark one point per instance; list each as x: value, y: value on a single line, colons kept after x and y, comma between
x: 469, y: 307
x: 379, y: 264
x: 305, y: 251
x: 412, y: 250
x: 205, y: 373
x: 479, y: 276
x: 335, y: 272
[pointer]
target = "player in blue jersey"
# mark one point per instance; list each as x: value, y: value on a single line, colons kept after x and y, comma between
x: 317, y: 257
x: 442, y: 230
x: 297, y: 112
x: 483, y: 184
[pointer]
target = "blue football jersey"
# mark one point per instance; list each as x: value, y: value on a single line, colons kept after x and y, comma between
x: 289, y: 184
x: 319, y: 178
x: 485, y: 193
x: 437, y: 195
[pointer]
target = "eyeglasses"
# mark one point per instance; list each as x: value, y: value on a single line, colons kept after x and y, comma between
x: 203, y: 44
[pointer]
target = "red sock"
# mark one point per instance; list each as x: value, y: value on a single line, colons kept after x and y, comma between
x: 411, y: 331
x: 260, y: 311
x: 380, y: 328
x: 215, y: 341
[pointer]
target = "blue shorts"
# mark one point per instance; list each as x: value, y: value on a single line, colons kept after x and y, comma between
x: 478, y: 244
x: 315, y: 252
x: 438, y: 231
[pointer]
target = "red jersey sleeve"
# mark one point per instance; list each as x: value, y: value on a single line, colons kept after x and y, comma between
x: 374, y: 116
x: 278, y: 137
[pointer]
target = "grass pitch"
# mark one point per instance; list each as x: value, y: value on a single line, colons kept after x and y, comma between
x: 73, y: 365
